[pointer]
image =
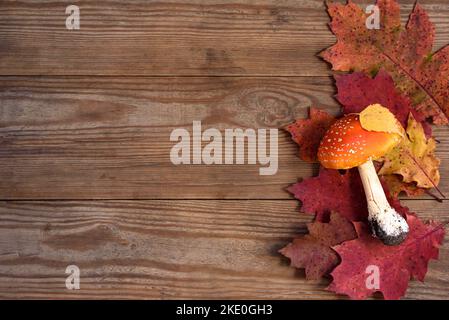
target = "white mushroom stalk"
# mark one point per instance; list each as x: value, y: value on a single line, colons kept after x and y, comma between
x: 386, y: 223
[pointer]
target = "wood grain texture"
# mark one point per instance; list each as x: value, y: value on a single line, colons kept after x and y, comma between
x: 169, y: 249
x: 199, y: 37
x: 85, y: 138
x: 86, y: 116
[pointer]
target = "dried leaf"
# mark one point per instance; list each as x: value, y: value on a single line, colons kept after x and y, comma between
x: 332, y: 191
x: 396, y: 265
x: 377, y: 118
x: 405, y: 53
x: 414, y: 158
x: 396, y: 185
x: 307, y: 133
x: 357, y: 90
x: 313, y: 251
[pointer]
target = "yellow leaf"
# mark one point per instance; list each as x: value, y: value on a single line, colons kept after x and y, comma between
x: 378, y: 118
x: 414, y: 158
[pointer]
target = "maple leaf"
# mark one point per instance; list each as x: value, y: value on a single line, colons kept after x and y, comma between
x: 332, y: 191
x: 396, y: 264
x: 396, y: 185
x: 405, y: 53
x: 356, y: 91
x: 307, y: 133
x: 313, y: 251
x: 414, y: 158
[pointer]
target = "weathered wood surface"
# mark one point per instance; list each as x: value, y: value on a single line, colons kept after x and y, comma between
x: 168, y: 249
x: 85, y: 138
x: 86, y: 116
x: 213, y: 37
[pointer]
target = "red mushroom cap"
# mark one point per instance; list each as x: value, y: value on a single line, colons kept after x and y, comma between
x: 347, y: 145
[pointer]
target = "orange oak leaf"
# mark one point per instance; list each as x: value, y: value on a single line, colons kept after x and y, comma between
x: 307, y: 133
x: 313, y: 251
x: 405, y: 53
x: 368, y: 266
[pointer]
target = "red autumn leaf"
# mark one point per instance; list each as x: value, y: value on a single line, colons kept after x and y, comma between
x: 332, y: 191
x: 406, y: 54
x: 356, y: 91
x: 307, y: 133
x: 396, y: 265
x: 313, y: 251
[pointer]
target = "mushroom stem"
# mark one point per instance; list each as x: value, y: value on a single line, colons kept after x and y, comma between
x: 389, y: 226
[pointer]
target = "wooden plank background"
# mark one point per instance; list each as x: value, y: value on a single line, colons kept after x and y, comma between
x: 85, y: 121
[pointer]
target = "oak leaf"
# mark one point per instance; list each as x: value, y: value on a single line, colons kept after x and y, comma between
x: 376, y: 117
x: 406, y: 54
x: 313, y: 251
x: 414, y: 158
x: 332, y: 191
x: 357, y: 90
x: 364, y: 258
x: 396, y: 186
x: 307, y: 133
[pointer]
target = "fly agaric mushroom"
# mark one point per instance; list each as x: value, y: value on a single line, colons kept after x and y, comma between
x: 348, y: 144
